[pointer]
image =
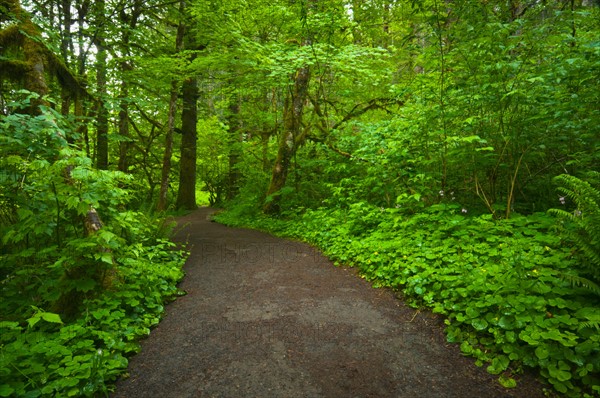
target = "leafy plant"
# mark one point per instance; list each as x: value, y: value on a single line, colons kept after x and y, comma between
x: 585, y: 219
x: 73, y: 303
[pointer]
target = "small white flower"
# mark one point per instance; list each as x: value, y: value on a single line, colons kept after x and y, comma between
x: 464, y: 211
x: 562, y: 200
x: 441, y: 192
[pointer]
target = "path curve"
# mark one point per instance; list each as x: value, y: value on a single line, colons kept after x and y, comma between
x: 266, y: 317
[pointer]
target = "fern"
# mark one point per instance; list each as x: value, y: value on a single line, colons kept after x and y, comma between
x: 579, y: 281
x: 589, y: 324
x: 586, y: 219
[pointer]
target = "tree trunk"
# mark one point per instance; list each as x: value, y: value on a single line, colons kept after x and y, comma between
x: 34, y: 73
x: 102, y: 112
x: 289, y: 141
x: 101, y: 79
x: 186, y: 195
x: 125, y: 143
x: 234, y: 150
x: 166, y: 166
x: 264, y: 139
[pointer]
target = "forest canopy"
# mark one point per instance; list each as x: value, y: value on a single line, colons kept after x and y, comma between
x: 363, y: 126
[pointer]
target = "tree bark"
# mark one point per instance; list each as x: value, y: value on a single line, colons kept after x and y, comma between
x: 33, y: 71
x: 186, y: 195
x: 125, y: 143
x: 234, y: 151
x: 290, y: 140
x: 129, y: 20
x: 166, y: 166
x: 102, y: 112
x: 101, y: 78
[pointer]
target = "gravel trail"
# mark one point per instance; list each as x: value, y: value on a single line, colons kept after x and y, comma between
x: 266, y: 317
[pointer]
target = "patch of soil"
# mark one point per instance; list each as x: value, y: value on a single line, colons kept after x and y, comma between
x: 267, y: 317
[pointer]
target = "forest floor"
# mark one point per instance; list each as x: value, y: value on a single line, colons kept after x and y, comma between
x: 266, y: 317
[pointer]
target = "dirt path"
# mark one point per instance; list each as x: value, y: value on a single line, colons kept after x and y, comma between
x: 266, y: 317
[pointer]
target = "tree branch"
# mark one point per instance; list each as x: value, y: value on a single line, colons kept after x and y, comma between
x: 152, y: 121
x: 356, y: 111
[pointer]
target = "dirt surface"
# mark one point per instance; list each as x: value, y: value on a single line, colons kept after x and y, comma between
x: 267, y: 317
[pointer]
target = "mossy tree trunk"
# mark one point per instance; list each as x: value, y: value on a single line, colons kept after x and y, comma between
x: 291, y: 138
x: 235, y: 137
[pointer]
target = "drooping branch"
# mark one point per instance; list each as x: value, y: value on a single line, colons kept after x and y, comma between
x: 361, y: 109
x: 66, y: 78
x: 329, y: 145
x: 11, y: 68
x: 356, y: 111
x: 148, y: 118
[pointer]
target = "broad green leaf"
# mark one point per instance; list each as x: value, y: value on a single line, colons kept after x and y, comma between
x: 51, y: 317
x: 542, y: 352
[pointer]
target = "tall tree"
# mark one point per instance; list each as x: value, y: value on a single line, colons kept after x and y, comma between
x: 166, y: 163
x: 235, y: 137
x: 128, y: 22
x: 186, y: 195
x: 291, y: 138
x: 101, y: 86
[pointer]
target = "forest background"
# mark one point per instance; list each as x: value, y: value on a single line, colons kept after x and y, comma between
x: 449, y: 149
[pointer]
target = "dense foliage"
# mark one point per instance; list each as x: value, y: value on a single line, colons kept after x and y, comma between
x: 447, y: 148
x: 74, y: 301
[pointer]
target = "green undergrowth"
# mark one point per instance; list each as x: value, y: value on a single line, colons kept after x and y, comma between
x: 503, y: 286
x: 44, y: 355
x: 82, y: 276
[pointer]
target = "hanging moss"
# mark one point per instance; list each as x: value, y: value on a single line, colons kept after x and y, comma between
x: 65, y: 77
x: 10, y: 37
x: 26, y: 59
x: 13, y: 69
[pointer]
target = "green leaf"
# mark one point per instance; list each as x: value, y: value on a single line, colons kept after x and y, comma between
x: 6, y: 390
x: 472, y: 312
x: 33, y: 320
x: 51, y: 317
x: 107, y: 258
x: 542, y: 352
x: 499, y: 364
x: 507, y: 382
x: 561, y: 373
x: 479, y: 324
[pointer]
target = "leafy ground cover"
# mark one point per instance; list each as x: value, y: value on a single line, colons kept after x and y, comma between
x: 82, y: 277
x: 42, y: 355
x: 503, y: 285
